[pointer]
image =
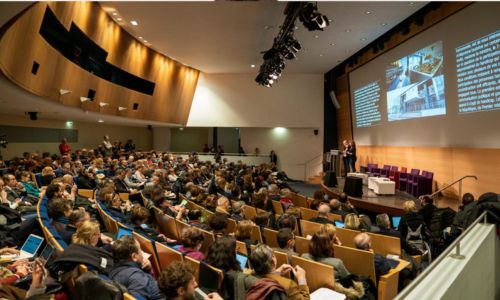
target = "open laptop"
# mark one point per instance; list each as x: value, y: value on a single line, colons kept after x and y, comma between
x: 339, y: 224
x: 395, y: 221
x: 29, y: 248
x: 242, y: 259
x: 123, y: 231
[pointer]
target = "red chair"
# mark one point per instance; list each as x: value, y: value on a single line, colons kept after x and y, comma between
x: 412, y: 178
x: 394, y: 175
x: 403, y: 179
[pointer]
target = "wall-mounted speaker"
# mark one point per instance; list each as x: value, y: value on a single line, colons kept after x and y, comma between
x: 335, y: 102
x: 316, y: 131
x: 34, y: 67
x: 135, y: 106
x: 91, y: 94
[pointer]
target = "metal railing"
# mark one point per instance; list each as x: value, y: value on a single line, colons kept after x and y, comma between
x: 459, y: 181
x: 446, y: 253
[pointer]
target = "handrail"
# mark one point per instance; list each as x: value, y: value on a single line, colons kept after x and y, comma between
x: 459, y: 186
x: 456, y: 255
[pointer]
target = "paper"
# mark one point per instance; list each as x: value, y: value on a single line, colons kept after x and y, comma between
x: 324, y: 294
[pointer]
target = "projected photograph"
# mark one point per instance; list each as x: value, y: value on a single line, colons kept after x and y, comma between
x: 415, y: 84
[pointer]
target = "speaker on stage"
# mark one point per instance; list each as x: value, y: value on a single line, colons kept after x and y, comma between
x: 353, y: 186
x: 330, y: 179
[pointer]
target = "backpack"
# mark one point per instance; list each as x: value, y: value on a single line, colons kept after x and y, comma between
x: 93, y: 287
x: 414, y: 237
x: 441, y: 218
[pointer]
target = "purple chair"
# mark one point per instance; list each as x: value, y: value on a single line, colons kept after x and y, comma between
x: 371, y: 167
x: 385, y: 171
x: 423, y: 184
x: 403, y: 179
x: 412, y: 177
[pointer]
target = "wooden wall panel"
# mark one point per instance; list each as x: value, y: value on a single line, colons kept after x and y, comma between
x: 447, y: 164
x: 344, y: 112
x: 21, y: 44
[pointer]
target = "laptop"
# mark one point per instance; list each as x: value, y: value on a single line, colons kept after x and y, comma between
x: 339, y: 224
x: 242, y: 259
x: 29, y: 248
x: 123, y: 231
x: 395, y: 221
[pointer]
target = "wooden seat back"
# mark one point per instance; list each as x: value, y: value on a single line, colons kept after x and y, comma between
x: 383, y: 244
x: 308, y: 213
x: 241, y: 248
x: 334, y: 217
x: 357, y: 261
x: 318, y: 275
x: 271, y: 237
x: 167, y: 255
x: 86, y: 193
x: 301, y: 245
x: 148, y: 246
x: 249, y: 212
x: 278, y: 208
x: 309, y: 228
x: 256, y: 234
x: 166, y: 224
x: 299, y: 200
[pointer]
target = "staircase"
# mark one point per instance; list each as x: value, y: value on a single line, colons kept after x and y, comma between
x: 316, y: 179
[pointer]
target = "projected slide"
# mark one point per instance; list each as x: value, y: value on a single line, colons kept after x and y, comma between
x: 366, y: 105
x: 415, y: 85
x: 478, y: 74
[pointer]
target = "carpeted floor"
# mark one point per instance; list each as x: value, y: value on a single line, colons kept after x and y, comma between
x: 304, y: 188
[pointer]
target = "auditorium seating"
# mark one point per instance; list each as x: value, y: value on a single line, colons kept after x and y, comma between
x: 412, y: 177
x: 403, y: 179
x: 318, y: 275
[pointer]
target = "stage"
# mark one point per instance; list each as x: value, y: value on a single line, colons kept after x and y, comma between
x: 390, y: 204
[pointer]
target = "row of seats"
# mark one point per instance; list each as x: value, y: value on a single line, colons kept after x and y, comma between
x: 413, y: 183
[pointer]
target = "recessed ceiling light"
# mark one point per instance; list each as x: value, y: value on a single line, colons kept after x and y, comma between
x: 316, y: 36
x: 119, y: 19
x: 134, y: 22
x: 368, y: 12
x: 384, y: 24
x: 252, y: 66
x: 140, y: 37
x: 347, y: 30
x: 145, y: 41
x: 114, y: 13
x: 363, y: 39
x: 332, y: 44
x: 100, y: 121
x: 267, y: 27
x: 321, y: 54
x: 296, y: 27
x: 411, y: 3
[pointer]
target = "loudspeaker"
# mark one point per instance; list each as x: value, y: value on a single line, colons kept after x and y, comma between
x: 33, y: 115
x: 150, y: 127
x: 91, y: 94
x: 335, y: 102
x: 330, y: 179
x: 316, y: 131
x: 353, y: 186
x: 34, y: 67
x: 135, y: 106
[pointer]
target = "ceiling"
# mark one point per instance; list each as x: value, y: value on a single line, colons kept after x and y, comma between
x: 222, y: 37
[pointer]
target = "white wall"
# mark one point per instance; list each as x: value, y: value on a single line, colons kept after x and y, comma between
x: 89, y: 135
x: 294, y: 102
x: 161, y: 138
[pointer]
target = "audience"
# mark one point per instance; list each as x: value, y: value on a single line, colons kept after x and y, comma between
x: 286, y: 242
x: 243, y: 233
x: 351, y: 221
x: 322, y: 218
x: 364, y: 242
x: 192, y: 240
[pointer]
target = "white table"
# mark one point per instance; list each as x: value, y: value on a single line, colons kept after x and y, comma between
x: 360, y: 175
x: 384, y: 187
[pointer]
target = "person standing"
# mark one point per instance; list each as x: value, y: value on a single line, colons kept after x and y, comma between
x: 64, y: 148
x: 353, y: 157
x: 346, y: 157
x: 274, y: 157
x: 108, y: 147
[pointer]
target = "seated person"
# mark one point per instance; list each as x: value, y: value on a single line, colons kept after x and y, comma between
x: 263, y: 262
x: 321, y: 250
x: 47, y: 175
x: 218, y: 224
x: 117, y: 208
x: 59, y: 210
x: 286, y: 242
x: 177, y: 282
x: 364, y: 242
x: 166, y: 206
x: 346, y: 205
x: 223, y: 205
x: 322, y: 217
x: 139, y: 217
x: 365, y: 224
x: 331, y: 230
x: 384, y: 225
x: 427, y: 209
x: 77, y: 217
x: 263, y: 220
x: 131, y: 269
x: 192, y: 240
x: 243, y: 233
x: 412, y: 225
x: 286, y: 198
x: 351, y: 221
x: 28, y: 185
x: 237, y: 214
x: 336, y: 208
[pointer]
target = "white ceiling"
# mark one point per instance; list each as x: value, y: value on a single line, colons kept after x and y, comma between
x: 222, y: 37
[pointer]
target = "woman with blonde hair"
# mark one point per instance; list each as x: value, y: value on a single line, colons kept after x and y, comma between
x: 47, y: 175
x: 351, y: 221
x: 414, y: 222
x: 332, y: 233
x: 88, y: 233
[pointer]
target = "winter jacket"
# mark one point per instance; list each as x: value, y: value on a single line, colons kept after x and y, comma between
x: 138, y: 282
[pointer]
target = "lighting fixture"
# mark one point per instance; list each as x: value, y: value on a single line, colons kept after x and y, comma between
x: 120, y: 108
x: 114, y: 13
x: 102, y: 104
x: 100, y: 121
x: 252, y: 66
x: 321, y: 54
x: 311, y: 18
x: 140, y: 37
x: 347, y: 30
x: 64, y: 92
x: 134, y: 22
x: 119, y: 19
x: 363, y: 39
x: 368, y: 12
x: 83, y: 99
x: 384, y: 24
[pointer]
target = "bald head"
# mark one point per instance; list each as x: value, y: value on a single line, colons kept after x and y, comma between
x: 363, y: 241
x: 323, y: 209
x: 335, y: 204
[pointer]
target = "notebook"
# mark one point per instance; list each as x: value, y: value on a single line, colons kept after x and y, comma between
x: 242, y: 259
x: 123, y: 231
x: 339, y: 224
x: 29, y: 248
x: 395, y: 221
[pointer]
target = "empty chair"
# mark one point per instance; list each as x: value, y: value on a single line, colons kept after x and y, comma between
x: 423, y: 184
x: 371, y: 167
x: 412, y: 177
x: 394, y: 175
x: 403, y: 179
x: 385, y: 171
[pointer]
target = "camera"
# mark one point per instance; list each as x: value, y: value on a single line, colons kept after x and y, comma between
x: 3, y: 141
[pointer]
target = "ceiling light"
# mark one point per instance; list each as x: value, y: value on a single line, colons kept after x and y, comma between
x: 140, y: 37
x: 119, y: 19
x: 363, y: 39
x: 347, y: 30
x: 411, y: 3
x: 120, y: 108
x: 145, y: 41
x: 252, y: 66
x: 102, y: 104
x: 83, y: 99
x: 267, y: 27
x: 64, y: 92
x: 311, y: 18
x: 100, y: 121
x: 316, y: 36
x: 384, y: 24
x: 69, y: 124
x: 134, y: 22
x: 332, y: 44
x: 114, y: 13
x: 368, y: 12
x: 321, y: 54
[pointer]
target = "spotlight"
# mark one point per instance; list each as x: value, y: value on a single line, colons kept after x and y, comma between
x: 312, y: 19
x: 120, y: 108
x: 83, y: 99
x: 102, y: 104
x: 64, y: 92
x: 33, y: 115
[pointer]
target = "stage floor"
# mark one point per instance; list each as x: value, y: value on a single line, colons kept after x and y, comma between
x: 391, y: 204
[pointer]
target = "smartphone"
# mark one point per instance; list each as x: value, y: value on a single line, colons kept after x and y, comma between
x: 199, y: 294
x: 184, y: 203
